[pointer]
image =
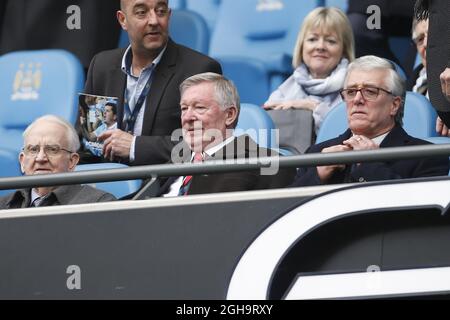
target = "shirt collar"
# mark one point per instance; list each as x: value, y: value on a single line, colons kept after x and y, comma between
x: 379, y: 139
x: 128, y: 57
x: 211, y: 151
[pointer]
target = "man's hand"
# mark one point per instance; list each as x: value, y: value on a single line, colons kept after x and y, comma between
x: 308, y: 104
x: 117, y: 144
x: 441, y: 128
x: 358, y: 142
x: 325, y: 172
x: 445, y: 83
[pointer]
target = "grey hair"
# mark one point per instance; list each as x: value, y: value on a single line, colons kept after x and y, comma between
x: 226, y: 93
x: 70, y: 132
x: 394, y: 82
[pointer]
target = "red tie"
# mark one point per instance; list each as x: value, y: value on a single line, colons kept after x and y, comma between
x: 198, y: 157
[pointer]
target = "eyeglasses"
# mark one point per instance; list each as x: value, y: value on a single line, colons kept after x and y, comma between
x: 368, y: 93
x: 49, y: 150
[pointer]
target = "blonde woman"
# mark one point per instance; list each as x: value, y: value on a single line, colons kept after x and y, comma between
x: 324, y: 47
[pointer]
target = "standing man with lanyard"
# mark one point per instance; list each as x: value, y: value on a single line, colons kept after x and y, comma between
x: 145, y: 77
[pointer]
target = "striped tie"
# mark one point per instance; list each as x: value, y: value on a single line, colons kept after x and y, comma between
x: 198, y: 157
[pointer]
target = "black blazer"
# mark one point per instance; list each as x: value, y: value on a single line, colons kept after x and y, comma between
x: 375, y: 171
x: 162, y: 110
x: 236, y: 181
x: 438, y: 51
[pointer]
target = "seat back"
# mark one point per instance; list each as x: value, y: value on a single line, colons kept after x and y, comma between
x: 256, y: 122
x: 419, y: 119
x: 250, y: 77
x: 118, y: 188
x: 190, y: 29
x: 341, y: 4
x: 208, y: 9
x: 9, y: 167
x: 37, y: 83
x: 177, y: 4
x: 264, y: 30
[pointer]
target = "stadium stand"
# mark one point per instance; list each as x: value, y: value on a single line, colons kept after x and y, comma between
x: 262, y: 31
x: 419, y: 119
x: 118, y: 188
x: 36, y: 83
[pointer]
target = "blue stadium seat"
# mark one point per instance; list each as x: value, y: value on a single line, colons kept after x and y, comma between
x: 419, y: 119
x: 186, y: 27
x: 9, y: 167
x: 255, y: 86
x: 118, y: 188
x: 341, y: 4
x: 401, y: 47
x: 177, y: 4
x: 439, y: 140
x: 33, y: 84
x: 208, y: 9
x: 261, y: 31
x: 256, y: 122
x: 190, y: 29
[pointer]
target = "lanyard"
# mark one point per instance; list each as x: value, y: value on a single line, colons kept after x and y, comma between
x: 130, y: 117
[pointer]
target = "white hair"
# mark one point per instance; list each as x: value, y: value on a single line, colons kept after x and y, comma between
x: 70, y: 132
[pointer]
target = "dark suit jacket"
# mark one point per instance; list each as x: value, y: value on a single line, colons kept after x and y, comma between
x: 375, y: 171
x: 162, y: 110
x: 64, y: 195
x: 438, y: 52
x: 236, y: 181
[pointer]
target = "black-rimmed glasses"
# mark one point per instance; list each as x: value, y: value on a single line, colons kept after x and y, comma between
x: 368, y: 93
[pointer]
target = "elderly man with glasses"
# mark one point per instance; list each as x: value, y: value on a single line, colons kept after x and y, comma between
x: 373, y: 93
x: 50, y: 146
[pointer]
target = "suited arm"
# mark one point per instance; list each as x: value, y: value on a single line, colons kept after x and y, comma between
x: 152, y: 150
x: 382, y: 171
x: 432, y: 167
x: 373, y: 172
x: 306, y: 177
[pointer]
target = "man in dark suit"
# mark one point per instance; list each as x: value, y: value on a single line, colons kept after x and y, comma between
x: 50, y: 146
x: 438, y: 54
x: 145, y: 77
x: 209, y: 112
x: 373, y: 92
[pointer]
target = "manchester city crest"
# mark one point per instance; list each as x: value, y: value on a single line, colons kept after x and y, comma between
x: 27, y: 82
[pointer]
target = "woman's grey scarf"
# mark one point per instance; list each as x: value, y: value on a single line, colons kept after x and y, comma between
x: 321, y: 87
